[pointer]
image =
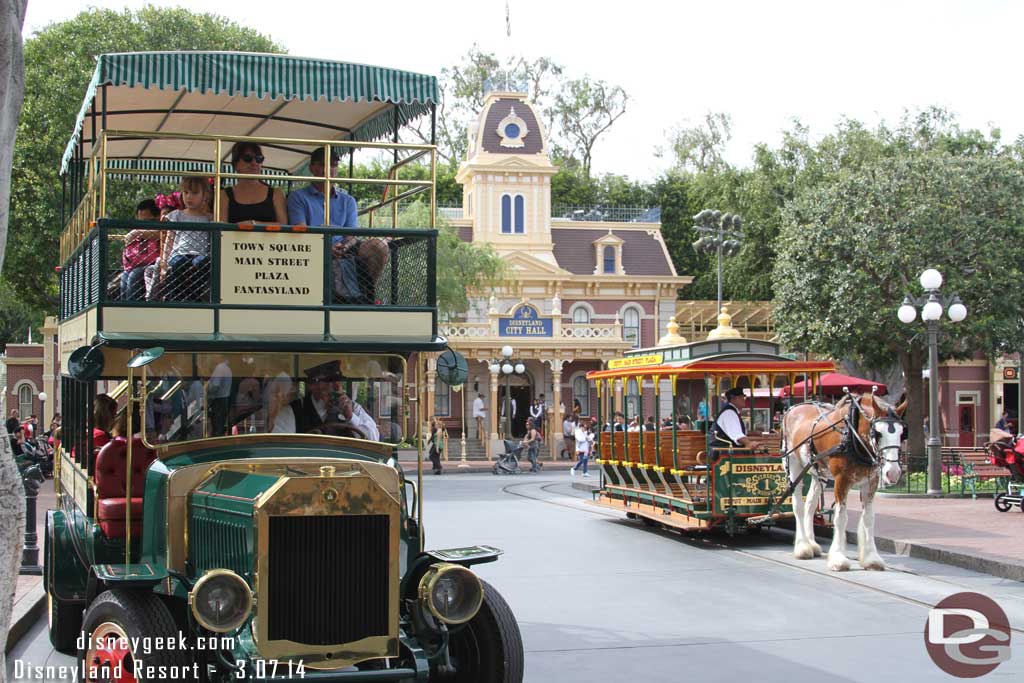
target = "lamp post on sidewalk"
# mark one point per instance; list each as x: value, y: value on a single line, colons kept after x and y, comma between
x: 932, y: 306
x: 719, y: 234
x: 507, y: 366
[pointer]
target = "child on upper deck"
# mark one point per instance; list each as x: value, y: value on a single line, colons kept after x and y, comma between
x: 185, y: 254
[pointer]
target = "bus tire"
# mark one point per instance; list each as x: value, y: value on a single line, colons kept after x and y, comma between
x: 489, y: 648
x: 136, y: 616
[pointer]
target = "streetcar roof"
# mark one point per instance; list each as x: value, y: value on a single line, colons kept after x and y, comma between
x: 242, y: 94
x: 721, y: 364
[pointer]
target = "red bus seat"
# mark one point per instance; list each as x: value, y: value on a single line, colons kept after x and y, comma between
x: 110, y: 476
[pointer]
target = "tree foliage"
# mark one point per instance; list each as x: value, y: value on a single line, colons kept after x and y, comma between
x: 59, y: 61
x: 850, y: 250
x: 464, y: 269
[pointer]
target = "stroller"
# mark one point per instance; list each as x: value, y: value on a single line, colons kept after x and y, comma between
x: 508, y: 462
x: 1007, y: 451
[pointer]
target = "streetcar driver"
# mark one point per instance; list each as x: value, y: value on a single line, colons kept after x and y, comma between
x: 728, y: 428
x: 324, y: 404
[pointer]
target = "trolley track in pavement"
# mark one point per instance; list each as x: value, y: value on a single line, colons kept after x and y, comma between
x: 705, y: 541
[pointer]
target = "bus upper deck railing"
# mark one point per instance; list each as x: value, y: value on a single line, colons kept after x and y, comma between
x: 86, y: 185
x: 284, y: 270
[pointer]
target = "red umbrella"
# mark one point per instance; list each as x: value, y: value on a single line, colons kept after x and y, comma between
x: 832, y: 383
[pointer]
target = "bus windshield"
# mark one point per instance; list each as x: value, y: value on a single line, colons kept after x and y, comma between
x: 193, y: 396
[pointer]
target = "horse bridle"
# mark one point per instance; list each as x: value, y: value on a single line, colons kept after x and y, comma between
x: 889, y: 421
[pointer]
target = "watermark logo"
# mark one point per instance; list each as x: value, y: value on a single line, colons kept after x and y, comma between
x: 967, y: 635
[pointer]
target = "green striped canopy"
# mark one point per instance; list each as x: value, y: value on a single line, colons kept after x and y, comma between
x: 234, y: 93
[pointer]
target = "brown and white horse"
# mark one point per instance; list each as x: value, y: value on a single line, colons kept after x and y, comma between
x: 856, y: 441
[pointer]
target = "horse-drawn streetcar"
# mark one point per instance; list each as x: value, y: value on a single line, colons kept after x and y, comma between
x: 681, y: 472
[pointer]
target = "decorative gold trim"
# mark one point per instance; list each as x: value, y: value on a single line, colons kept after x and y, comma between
x: 301, y: 496
x: 209, y: 576
x: 434, y: 574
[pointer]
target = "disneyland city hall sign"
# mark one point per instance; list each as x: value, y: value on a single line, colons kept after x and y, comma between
x: 525, y: 322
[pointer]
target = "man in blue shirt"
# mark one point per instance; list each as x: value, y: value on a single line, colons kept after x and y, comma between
x: 357, y: 263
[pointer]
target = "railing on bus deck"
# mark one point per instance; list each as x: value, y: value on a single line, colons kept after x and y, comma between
x: 376, y: 268
x: 88, y: 187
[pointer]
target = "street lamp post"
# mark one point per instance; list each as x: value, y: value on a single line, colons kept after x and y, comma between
x: 42, y: 413
x: 932, y: 305
x: 507, y: 366
x: 720, y: 234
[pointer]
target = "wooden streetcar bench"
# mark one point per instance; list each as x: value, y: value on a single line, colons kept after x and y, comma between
x: 977, y: 465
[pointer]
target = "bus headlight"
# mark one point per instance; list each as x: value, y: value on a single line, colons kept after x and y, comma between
x: 221, y: 600
x: 452, y: 593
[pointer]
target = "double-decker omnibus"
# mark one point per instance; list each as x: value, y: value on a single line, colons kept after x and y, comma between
x: 230, y: 502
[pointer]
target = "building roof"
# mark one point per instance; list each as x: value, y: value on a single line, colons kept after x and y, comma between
x: 642, y: 252
x: 490, y: 141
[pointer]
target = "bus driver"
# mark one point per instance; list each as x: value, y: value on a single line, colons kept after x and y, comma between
x: 325, y: 403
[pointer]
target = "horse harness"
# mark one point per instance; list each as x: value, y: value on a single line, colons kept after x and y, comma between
x: 851, y: 444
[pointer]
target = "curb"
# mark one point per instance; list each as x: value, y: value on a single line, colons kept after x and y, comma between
x: 25, y: 616
x: 977, y: 563
x: 993, y: 566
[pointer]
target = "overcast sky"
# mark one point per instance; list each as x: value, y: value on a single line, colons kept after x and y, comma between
x: 764, y: 63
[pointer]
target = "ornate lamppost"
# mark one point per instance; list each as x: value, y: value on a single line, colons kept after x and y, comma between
x: 507, y: 366
x: 932, y: 305
x: 720, y: 234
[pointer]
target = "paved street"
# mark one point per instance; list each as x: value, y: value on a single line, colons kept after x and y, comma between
x: 602, y: 599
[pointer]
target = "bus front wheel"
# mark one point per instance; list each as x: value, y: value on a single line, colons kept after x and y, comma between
x: 489, y: 648
x: 125, y: 636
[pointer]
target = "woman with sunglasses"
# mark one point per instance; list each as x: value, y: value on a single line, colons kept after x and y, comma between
x: 251, y: 200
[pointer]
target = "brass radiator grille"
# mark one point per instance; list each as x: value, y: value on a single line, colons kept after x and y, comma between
x: 328, y: 578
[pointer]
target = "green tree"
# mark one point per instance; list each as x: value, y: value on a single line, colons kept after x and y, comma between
x: 850, y: 250
x: 585, y: 109
x: 59, y: 61
x: 700, y: 148
x: 464, y: 269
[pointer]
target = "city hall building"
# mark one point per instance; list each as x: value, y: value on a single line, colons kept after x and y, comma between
x: 580, y: 289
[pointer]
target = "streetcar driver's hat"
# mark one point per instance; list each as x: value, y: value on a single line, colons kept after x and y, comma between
x: 325, y: 372
x: 735, y: 391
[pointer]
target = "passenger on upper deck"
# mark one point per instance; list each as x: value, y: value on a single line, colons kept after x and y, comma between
x: 251, y: 199
x: 185, y: 254
x: 357, y: 263
x: 324, y: 403
x: 141, y: 249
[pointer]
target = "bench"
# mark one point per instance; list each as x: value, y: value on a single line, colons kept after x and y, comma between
x: 977, y: 466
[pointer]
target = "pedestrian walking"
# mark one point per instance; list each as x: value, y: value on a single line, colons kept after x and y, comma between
x: 568, y: 437
x: 479, y: 413
x: 438, y: 441
x: 531, y: 442
x: 584, y: 442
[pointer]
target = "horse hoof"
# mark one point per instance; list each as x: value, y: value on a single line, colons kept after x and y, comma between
x: 804, y: 551
x: 873, y: 563
x: 816, y: 548
x: 838, y: 562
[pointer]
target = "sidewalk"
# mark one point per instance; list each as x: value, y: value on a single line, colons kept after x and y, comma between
x: 965, y: 533
x: 29, y: 598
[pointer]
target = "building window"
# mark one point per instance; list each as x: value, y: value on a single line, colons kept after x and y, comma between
x: 580, y: 315
x: 506, y: 214
x: 581, y: 393
x: 631, y: 326
x: 25, y: 401
x: 609, y: 259
x: 442, y: 399
x: 513, y: 220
